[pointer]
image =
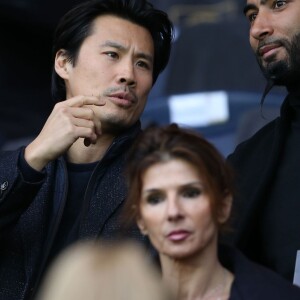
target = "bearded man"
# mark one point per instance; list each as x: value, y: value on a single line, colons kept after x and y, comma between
x: 266, y: 223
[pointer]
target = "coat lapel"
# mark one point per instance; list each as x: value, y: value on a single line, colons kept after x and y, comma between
x: 107, y: 198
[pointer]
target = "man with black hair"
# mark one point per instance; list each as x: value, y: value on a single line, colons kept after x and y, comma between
x: 68, y: 184
x: 267, y: 223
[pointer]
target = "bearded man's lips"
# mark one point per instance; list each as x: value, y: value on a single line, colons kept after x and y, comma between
x: 267, y: 51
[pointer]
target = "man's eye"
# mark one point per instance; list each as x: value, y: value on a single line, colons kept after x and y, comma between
x: 143, y: 64
x: 154, y: 199
x: 112, y: 54
x: 279, y: 4
x: 251, y: 17
x: 191, y: 193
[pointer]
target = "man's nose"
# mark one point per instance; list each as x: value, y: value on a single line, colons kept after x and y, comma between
x: 262, y: 26
x: 127, y: 74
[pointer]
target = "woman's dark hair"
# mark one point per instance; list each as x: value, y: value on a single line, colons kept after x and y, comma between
x: 76, y: 25
x: 160, y: 144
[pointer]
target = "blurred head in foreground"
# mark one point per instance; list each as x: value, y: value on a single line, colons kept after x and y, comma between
x: 91, y: 271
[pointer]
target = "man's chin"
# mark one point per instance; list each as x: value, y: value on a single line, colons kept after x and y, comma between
x: 114, y: 127
x: 277, y: 71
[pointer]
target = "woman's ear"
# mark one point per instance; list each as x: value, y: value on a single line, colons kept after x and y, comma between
x: 62, y: 64
x: 142, y: 226
x: 225, y: 209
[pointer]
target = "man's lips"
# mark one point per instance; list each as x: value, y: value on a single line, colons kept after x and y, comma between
x: 178, y: 235
x: 123, y: 96
x: 268, y: 50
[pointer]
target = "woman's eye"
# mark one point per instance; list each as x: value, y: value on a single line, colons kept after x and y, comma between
x: 191, y: 193
x: 154, y: 199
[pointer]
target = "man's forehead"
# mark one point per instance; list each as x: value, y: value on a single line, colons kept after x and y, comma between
x: 254, y: 4
x: 257, y: 2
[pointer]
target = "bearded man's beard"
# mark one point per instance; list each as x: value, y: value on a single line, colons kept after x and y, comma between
x: 284, y: 72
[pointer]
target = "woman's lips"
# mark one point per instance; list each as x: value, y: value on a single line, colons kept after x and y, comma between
x: 178, y: 235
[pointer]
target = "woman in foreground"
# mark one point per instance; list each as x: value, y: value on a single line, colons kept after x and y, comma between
x: 180, y: 196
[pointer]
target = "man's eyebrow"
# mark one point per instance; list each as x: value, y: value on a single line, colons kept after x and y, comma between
x: 253, y: 6
x: 121, y: 47
x: 113, y: 45
x: 145, y: 56
x: 249, y: 7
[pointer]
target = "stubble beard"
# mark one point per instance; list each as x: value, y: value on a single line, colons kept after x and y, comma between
x: 115, y: 125
x: 285, y: 72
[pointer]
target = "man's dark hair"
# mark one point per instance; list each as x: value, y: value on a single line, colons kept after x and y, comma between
x: 76, y: 25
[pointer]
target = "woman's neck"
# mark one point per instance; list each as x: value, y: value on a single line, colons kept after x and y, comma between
x: 197, y: 278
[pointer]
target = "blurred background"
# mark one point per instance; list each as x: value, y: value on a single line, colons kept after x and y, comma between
x: 212, y: 83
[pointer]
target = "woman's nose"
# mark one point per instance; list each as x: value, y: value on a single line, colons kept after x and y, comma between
x: 174, y: 210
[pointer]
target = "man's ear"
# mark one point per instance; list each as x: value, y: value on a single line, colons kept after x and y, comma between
x: 62, y: 64
x: 225, y: 209
x: 142, y: 226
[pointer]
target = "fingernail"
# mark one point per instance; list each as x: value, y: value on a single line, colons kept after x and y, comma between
x: 87, y: 142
